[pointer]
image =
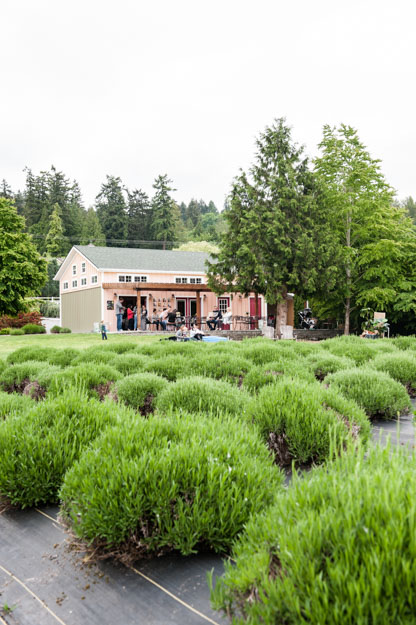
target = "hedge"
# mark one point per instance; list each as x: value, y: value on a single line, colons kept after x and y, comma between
x: 156, y: 488
x: 375, y: 391
x: 32, y: 328
x: 337, y: 548
x: 322, y: 363
x: 39, y: 445
x: 21, y: 320
x: 221, y: 367
x: 304, y: 422
x: 96, y: 380
x: 170, y: 367
x: 128, y: 363
x: 202, y: 395
x: 23, y: 354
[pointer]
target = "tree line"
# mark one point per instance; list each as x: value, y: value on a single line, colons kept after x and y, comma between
x: 55, y: 215
x: 329, y: 231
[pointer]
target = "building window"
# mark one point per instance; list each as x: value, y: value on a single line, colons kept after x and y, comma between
x: 94, y: 279
x: 74, y: 284
x: 195, y: 280
x: 223, y: 303
x: 122, y: 278
x: 140, y: 278
x: 83, y: 268
x: 128, y: 278
x: 181, y: 280
x: 65, y: 285
x: 74, y: 270
x: 83, y: 281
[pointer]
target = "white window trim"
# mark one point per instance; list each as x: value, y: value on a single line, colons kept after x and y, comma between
x: 64, y: 288
x: 94, y: 276
x: 74, y: 274
x: 74, y: 286
x: 83, y: 267
x: 140, y: 275
x: 85, y: 281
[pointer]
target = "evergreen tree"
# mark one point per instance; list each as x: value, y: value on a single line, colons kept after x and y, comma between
x: 51, y: 288
x: 55, y: 241
x: 6, y: 190
x: 91, y: 231
x: 410, y: 205
x: 278, y: 240
x: 112, y: 213
x: 22, y: 270
x: 139, y: 217
x: 165, y: 212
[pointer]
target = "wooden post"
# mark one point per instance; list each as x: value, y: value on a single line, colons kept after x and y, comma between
x: 138, y: 305
x: 290, y: 311
x: 198, y: 308
x: 256, y: 323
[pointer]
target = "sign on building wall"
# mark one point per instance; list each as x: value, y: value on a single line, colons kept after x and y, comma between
x: 110, y: 304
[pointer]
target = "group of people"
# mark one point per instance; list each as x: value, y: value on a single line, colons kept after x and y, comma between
x: 132, y: 318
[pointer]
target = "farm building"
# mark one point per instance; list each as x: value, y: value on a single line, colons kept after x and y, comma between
x: 92, y: 278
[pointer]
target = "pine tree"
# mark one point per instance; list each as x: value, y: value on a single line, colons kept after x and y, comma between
x: 6, y: 190
x: 139, y: 217
x: 112, y: 213
x: 165, y: 212
x: 55, y: 242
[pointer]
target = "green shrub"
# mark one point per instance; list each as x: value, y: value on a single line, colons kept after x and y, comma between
x: 375, y: 391
x: 405, y: 342
x: 202, y: 395
x: 120, y: 348
x: 16, y: 377
x: 23, y: 354
x: 94, y: 354
x: 33, y: 328
x: 16, y: 332
x: 63, y: 357
x: 41, y: 444
x: 327, y: 552
x: 139, y: 391
x: 97, y: 380
x: 266, y: 374
x: 170, y: 367
x: 400, y: 366
x: 322, y: 363
x: 157, y: 488
x: 2, y: 365
x: 55, y: 329
x: 300, y: 421
x: 128, y: 363
x: 5, y: 331
x: 65, y: 331
x: 358, y: 349
x: 260, y: 353
x: 221, y: 367
x: 11, y: 403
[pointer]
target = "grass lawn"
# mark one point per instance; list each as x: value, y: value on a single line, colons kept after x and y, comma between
x: 78, y: 341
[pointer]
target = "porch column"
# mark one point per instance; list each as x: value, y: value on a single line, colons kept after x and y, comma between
x: 138, y: 300
x: 198, y: 306
x: 256, y: 323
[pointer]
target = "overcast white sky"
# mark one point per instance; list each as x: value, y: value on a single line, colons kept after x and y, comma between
x: 134, y: 88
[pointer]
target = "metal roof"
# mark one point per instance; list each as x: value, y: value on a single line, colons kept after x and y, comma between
x: 133, y: 259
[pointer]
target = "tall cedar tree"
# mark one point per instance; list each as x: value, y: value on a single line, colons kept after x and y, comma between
x: 278, y: 239
x: 112, y: 212
x: 139, y: 217
x: 165, y: 212
x: 370, y: 230
x: 55, y: 242
x: 22, y: 270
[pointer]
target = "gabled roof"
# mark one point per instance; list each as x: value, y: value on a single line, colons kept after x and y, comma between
x: 133, y: 259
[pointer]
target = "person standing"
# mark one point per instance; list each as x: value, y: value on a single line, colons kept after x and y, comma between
x: 135, y: 318
x: 119, y: 314
x: 103, y: 331
x: 130, y: 318
x: 143, y: 318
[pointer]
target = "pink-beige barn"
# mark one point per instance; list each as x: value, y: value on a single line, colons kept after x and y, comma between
x: 92, y: 278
